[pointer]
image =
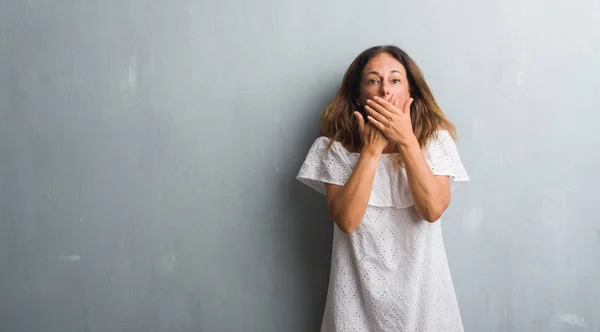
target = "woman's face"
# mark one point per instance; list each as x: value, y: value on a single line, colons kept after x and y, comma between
x: 383, y: 76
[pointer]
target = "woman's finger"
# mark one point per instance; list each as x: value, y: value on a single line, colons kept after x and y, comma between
x: 386, y: 105
x: 376, y: 123
x: 406, y: 108
x: 361, y: 121
x: 376, y: 115
x: 379, y: 108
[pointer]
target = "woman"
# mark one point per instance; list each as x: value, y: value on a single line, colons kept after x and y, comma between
x: 386, y: 160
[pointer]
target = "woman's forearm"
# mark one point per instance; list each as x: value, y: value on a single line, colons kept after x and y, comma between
x: 430, y: 192
x: 347, y: 204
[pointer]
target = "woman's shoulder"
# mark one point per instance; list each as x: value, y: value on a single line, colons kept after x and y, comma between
x: 331, y: 143
x: 441, y: 133
x: 441, y: 129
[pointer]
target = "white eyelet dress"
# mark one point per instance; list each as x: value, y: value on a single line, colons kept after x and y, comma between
x: 391, y: 273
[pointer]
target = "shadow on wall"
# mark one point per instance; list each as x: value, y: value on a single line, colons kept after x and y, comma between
x: 312, y: 247
x: 310, y: 229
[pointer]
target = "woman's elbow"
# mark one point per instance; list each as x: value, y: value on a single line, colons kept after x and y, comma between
x: 431, y: 217
x: 347, y: 227
x: 346, y: 224
x: 432, y: 214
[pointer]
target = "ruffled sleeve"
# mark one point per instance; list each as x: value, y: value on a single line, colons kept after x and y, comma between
x: 325, y: 165
x: 334, y: 165
x: 442, y: 156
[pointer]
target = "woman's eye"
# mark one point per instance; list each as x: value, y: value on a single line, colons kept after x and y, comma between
x: 373, y: 81
x: 396, y: 81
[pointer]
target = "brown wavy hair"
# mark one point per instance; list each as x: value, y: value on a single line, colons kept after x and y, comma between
x: 339, y: 124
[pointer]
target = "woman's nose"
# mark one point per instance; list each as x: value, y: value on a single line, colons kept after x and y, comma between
x: 385, y: 90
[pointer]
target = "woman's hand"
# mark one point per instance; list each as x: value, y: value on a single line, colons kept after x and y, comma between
x: 373, y: 140
x: 392, y: 121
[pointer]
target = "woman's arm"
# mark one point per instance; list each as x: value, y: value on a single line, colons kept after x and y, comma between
x: 347, y: 204
x: 430, y: 192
